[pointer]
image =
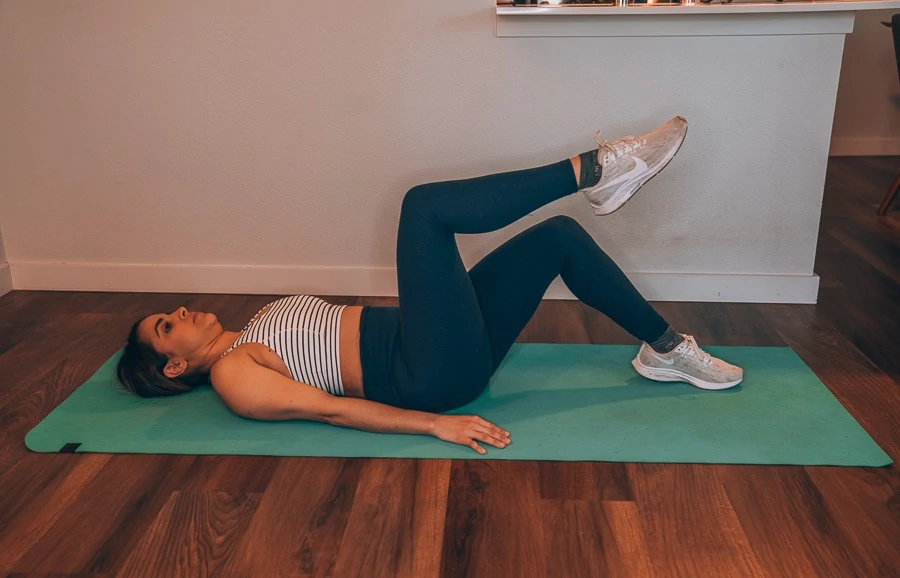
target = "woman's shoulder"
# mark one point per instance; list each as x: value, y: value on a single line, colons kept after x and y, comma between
x: 241, y: 356
x: 245, y: 355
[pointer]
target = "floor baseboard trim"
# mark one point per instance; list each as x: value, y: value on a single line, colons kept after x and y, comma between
x: 6, y: 284
x: 287, y: 280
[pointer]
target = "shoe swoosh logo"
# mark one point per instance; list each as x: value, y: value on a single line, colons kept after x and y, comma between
x: 639, y: 167
x: 663, y: 359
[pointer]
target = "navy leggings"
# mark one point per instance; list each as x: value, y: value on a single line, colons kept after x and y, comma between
x: 440, y: 347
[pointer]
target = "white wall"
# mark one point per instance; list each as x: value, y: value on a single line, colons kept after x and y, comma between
x: 169, y: 145
x: 867, y: 117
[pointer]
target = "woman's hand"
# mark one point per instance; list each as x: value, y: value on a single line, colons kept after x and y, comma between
x: 465, y: 429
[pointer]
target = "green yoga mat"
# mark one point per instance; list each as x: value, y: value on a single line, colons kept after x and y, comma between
x: 559, y: 402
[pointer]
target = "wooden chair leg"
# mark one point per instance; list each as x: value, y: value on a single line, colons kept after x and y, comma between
x: 889, y: 197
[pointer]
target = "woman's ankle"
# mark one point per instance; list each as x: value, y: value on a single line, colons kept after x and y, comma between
x: 667, y: 342
x: 587, y: 169
x: 576, y: 168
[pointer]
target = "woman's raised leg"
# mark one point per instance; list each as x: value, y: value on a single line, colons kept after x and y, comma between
x: 444, y: 340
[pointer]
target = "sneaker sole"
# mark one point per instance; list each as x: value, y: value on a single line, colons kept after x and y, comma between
x: 660, y: 374
x: 628, y: 190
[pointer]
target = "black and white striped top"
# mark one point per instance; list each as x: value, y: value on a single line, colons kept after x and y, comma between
x: 305, y: 333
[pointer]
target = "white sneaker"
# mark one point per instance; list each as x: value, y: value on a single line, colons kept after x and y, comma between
x: 630, y: 162
x: 689, y: 363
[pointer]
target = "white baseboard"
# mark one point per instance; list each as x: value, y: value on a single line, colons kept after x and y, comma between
x: 253, y: 280
x: 865, y: 147
x: 722, y: 288
x: 6, y: 284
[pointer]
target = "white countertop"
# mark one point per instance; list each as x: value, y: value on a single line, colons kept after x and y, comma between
x: 737, y: 7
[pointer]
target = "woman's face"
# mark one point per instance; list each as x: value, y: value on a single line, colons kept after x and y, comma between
x: 179, y: 335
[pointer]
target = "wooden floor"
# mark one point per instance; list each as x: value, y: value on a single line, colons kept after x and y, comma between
x: 155, y: 516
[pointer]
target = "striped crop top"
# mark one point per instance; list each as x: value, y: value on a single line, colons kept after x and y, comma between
x: 304, y: 332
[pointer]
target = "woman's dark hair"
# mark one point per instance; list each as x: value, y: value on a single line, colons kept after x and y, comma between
x: 140, y: 371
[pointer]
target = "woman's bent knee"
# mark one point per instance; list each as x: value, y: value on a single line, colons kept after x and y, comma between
x: 563, y: 223
x: 566, y: 229
x: 417, y: 199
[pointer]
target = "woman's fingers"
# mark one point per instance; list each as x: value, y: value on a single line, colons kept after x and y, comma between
x: 474, y: 445
x: 485, y: 422
x: 494, y: 430
x: 474, y: 429
x: 489, y: 436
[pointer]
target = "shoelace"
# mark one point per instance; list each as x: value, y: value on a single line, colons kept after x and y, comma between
x: 691, y: 349
x: 618, y: 148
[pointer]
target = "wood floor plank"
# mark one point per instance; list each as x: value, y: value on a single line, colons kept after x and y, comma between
x: 865, y: 505
x: 867, y: 330
x: 32, y: 478
x: 35, y: 520
x: 593, y: 538
x: 578, y: 541
x: 432, y: 489
x: 113, y: 303
x: 230, y: 474
x: 790, y: 528
x: 298, y: 527
x: 396, y: 522
x: 594, y: 481
x: 380, y: 522
x: 65, y: 338
x: 883, y: 257
x: 20, y: 322
x: 28, y: 397
x: 560, y: 322
x: 70, y: 366
x: 493, y: 520
x: 625, y: 528
x: 689, y: 524
x: 97, y: 531
x: 59, y: 575
x: 195, y: 534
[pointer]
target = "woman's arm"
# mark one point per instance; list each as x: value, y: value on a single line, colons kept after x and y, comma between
x: 458, y: 429
x: 378, y: 417
x: 257, y: 392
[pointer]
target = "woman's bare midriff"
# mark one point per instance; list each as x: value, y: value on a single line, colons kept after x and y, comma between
x: 351, y: 366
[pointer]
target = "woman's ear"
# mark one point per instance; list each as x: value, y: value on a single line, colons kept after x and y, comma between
x: 175, y: 368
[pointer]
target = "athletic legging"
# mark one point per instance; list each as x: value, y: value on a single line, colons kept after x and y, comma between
x: 438, y: 350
